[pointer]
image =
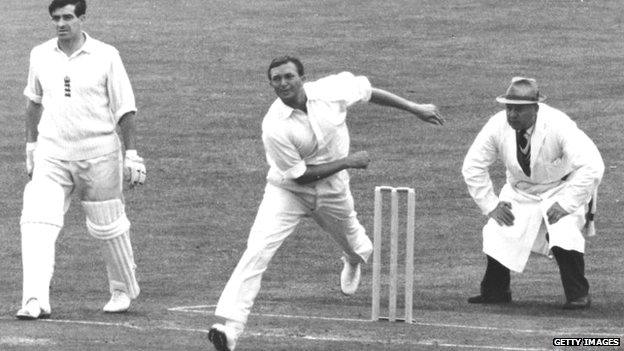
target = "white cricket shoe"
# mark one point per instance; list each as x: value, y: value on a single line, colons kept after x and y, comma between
x: 223, y: 337
x: 350, y: 277
x: 32, y: 310
x: 118, y: 303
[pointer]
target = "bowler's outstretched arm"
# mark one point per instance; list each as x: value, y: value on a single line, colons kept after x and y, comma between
x: 426, y: 112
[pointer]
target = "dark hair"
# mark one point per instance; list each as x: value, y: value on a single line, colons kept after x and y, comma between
x: 278, y: 61
x: 79, y: 10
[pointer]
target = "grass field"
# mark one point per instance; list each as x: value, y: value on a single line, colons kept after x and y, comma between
x: 199, y: 74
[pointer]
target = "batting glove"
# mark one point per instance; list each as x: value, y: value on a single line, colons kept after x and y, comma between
x: 134, y: 168
x: 30, y: 157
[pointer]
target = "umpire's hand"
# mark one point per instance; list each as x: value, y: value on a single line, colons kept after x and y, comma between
x: 555, y: 213
x: 502, y: 214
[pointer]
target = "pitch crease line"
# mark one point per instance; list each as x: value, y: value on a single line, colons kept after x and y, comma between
x: 193, y: 309
x: 185, y: 308
x: 285, y: 336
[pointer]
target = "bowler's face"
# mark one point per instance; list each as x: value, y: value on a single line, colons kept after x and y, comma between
x: 521, y: 116
x: 286, y: 81
x: 68, y: 26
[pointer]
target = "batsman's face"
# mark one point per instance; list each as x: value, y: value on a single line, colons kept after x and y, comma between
x: 286, y: 82
x: 521, y: 116
x: 68, y: 26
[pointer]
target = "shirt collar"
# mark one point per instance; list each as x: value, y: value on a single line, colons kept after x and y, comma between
x: 285, y: 111
x: 87, y: 46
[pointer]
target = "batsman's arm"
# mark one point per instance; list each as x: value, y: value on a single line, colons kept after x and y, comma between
x: 127, y: 126
x: 313, y: 173
x: 134, y: 165
x: 33, y: 116
x: 426, y: 112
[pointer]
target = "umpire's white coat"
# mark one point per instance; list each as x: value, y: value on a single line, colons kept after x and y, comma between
x: 559, y: 150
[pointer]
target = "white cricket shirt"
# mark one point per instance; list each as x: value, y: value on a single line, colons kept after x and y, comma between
x: 83, y: 97
x: 293, y: 139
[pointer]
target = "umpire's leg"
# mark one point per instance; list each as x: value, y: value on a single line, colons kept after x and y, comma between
x: 572, y: 269
x: 495, y: 284
x: 496, y: 279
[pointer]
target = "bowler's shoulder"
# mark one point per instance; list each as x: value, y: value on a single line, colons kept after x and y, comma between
x: 333, y: 78
x: 326, y: 87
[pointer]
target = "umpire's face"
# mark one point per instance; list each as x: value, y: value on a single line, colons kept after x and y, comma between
x: 287, y: 82
x: 521, y: 116
x: 68, y: 26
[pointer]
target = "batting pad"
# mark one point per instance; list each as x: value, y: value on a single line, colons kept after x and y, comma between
x: 44, y: 202
x: 107, y: 221
x: 38, y: 261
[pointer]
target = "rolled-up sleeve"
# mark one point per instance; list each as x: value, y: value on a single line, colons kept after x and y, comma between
x: 33, y: 90
x: 355, y: 88
x: 119, y: 88
x: 283, y: 155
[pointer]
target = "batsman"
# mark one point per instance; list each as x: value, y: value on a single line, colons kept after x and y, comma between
x: 78, y: 94
x: 306, y: 141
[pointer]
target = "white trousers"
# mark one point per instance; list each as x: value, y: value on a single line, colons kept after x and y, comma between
x: 278, y: 215
x: 97, y: 179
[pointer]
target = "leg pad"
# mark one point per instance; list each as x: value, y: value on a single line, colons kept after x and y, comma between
x: 44, y: 202
x: 107, y: 221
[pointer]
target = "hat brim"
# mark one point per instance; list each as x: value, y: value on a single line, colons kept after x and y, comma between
x: 504, y: 100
